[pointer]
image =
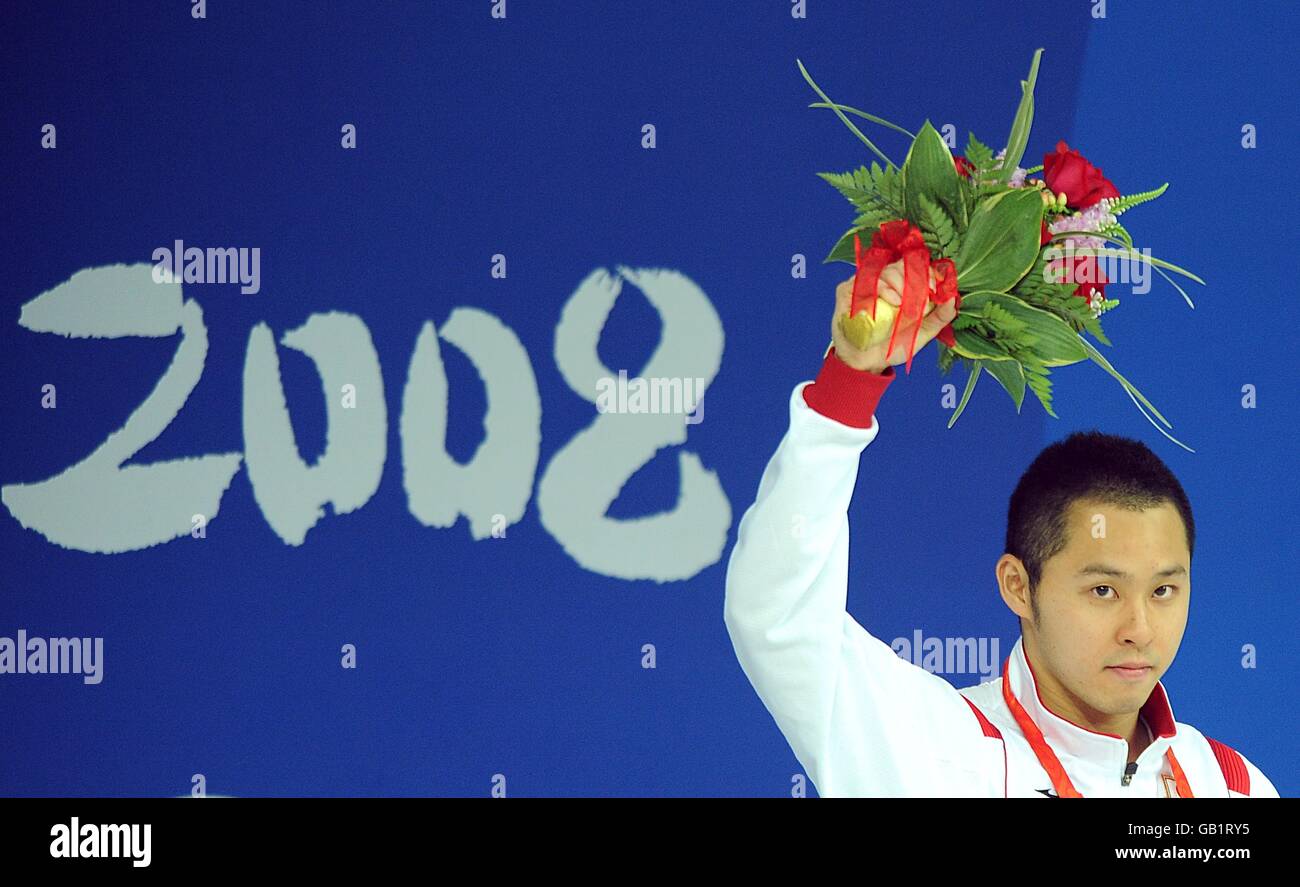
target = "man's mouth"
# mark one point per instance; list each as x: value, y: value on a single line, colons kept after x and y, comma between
x: 1130, y: 674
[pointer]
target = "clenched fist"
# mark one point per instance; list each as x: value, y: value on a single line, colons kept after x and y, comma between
x: 889, y: 295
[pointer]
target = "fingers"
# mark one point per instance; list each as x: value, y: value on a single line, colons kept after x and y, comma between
x: 889, y: 288
x: 937, y: 314
x: 937, y: 317
x: 945, y: 312
x: 843, y: 297
x: 891, y: 283
x: 935, y: 321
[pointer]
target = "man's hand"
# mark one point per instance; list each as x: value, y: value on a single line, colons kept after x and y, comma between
x: 873, y: 358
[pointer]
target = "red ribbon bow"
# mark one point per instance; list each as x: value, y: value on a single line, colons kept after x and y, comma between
x: 895, y: 240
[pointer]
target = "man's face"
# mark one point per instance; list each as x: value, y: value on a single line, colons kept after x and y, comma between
x: 1117, y: 593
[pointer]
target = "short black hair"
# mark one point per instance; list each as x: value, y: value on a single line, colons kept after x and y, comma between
x: 1086, y: 465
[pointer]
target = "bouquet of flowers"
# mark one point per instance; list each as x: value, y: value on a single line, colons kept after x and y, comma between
x: 1019, y: 255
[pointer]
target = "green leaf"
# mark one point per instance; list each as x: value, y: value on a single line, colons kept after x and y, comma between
x: 846, y: 121
x: 1064, y: 304
x: 937, y: 228
x: 970, y: 387
x: 871, y: 220
x: 947, y: 357
x: 874, y: 195
x: 876, y: 192
x: 978, y: 153
x: 1023, y: 122
x: 972, y: 344
x: 1041, y: 385
x: 1126, y: 253
x: 844, y: 250
x: 872, y: 117
x: 1116, y: 205
x: 856, y: 185
x: 1130, y: 253
x: 1119, y: 232
x: 929, y: 170
x: 1054, y: 342
x: 1101, y: 361
x: 1003, y: 320
x: 889, y: 188
x: 1001, y: 243
x: 1011, y: 376
x: 1174, y: 284
x: 1134, y: 395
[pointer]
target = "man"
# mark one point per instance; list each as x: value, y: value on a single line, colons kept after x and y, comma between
x: 1097, y: 567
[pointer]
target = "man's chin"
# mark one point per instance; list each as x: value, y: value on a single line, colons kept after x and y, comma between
x: 1127, y: 700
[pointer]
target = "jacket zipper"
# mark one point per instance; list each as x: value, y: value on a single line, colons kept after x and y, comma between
x: 1129, y: 771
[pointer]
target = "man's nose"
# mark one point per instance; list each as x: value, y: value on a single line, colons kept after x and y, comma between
x: 1136, y: 625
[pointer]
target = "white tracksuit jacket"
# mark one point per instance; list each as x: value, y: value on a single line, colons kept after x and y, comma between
x: 864, y: 722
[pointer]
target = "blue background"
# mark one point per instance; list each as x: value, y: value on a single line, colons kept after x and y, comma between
x: 478, y: 136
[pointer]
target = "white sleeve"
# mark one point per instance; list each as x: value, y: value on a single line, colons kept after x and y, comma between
x: 860, y: 719
x: 1260, y: 785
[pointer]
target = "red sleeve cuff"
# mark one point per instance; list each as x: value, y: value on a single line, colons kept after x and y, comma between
x: 844, y: 394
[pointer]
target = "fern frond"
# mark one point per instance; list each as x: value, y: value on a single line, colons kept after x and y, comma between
x: 1117, y: 205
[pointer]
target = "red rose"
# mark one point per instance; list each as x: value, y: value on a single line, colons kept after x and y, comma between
x: 964, y: 166
x: 1083, y: 184
x: 1044, y: 235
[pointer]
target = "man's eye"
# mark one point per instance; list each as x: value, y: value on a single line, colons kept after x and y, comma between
x: 1102, y: 586
x: 1171, y: 591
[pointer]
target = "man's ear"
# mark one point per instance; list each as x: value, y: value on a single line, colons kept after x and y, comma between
x: 1013, y: 583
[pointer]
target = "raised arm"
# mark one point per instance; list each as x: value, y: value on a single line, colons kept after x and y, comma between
x: 861, y: 720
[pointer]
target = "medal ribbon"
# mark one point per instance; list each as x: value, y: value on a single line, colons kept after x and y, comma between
x: 1048, y: 759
